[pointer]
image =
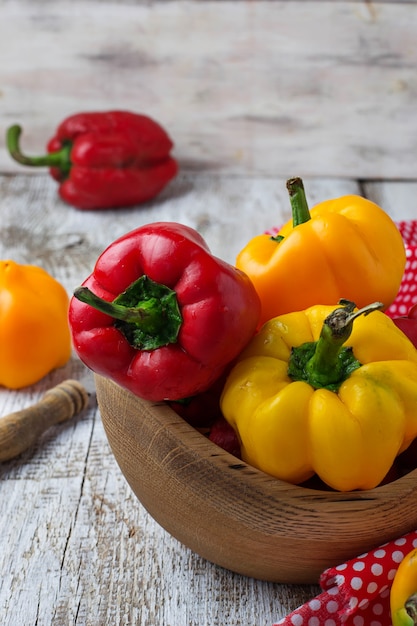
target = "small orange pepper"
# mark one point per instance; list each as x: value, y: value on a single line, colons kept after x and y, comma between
x: 343, y: 248
x: 34, y: 329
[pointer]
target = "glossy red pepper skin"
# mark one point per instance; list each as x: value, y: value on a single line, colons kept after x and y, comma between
x: 408, y: 324
x: 223, y: 435
x: 110, y: 159
x: 219, y: 307
x: 202, y: 410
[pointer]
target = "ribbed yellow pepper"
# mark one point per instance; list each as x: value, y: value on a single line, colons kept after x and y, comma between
x: 315, y: 393
x: 319, y: 255
x: 34, y: 329
x: 403, y: 595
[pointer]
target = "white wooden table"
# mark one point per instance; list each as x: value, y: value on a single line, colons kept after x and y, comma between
x: 76, y: 547
x: 252, y: 93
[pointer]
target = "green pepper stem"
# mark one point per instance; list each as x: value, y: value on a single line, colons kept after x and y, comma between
x: 411, y: 607
x: 144, y: 314
x: 324, y: 367
x: 59, y: 159
x: 299, y: 206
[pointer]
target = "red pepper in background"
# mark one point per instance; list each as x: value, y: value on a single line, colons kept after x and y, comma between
x: 160, y: 315
x: 223, y: 435
x: 106, y: 159
x: 203, y: 412
x: 408, y: 324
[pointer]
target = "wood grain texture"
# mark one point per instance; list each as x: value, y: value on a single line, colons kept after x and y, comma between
x: 252, y: 88
x: 39, y: 228
x: 235, y: 515
x: 76, y: 546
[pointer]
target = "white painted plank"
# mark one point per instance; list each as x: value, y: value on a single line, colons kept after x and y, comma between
x: 76, y: 547
x: 252, y: 88
x: 397, y: 198
x: 226, y: 211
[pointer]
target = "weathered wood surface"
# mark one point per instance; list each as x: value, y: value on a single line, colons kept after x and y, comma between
x: 253, y: 88
x: 76, y: 547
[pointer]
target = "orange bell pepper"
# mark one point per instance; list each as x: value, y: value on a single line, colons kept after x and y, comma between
x: 34, y: 329
x: 343, y: 248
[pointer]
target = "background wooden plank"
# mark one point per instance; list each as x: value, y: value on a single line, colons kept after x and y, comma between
x: 76, y: 547
x: 248, y: 88
x: 251, y: 92
x: 37, y: 227
x: 398, y: 197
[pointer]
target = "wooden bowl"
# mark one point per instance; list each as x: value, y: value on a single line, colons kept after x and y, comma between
x: 235, y: 515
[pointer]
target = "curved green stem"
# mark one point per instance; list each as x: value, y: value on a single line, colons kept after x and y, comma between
x: 325, y: 367
x: 59, y: 159
x: 147, y: 313
x: 326, y: 363
x: 299, y: 206
x: 141, y: 314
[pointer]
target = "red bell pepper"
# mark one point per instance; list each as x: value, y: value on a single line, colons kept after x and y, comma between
x: 106, y: 159
x: 223, y: 435
x: 202, y: 410
x: 160, y: 315
x: 408, y: 324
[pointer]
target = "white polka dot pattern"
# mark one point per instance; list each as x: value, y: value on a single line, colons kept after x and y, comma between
x: 407, y: 295
x: 355, y: 593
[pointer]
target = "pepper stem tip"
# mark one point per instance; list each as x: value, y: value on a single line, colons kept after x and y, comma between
x: 299, y: 206
x: 294, y: 184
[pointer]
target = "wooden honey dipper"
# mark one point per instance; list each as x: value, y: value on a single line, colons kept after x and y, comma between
x: 19, y: 430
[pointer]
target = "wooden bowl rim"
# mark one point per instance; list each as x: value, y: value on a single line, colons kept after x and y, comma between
x: 284, y: 516
x: 175, y: 424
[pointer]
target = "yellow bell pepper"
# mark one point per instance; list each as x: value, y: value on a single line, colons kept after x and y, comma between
x: 403, y: 595
x: 313, y: 393
x: 34, y: 329
x: 343, y: 248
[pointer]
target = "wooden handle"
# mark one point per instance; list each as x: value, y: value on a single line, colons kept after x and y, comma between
x: 19, y: 430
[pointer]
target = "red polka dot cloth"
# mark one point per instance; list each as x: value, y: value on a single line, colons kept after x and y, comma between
x: 407, y: 295
x: 355, y: 593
